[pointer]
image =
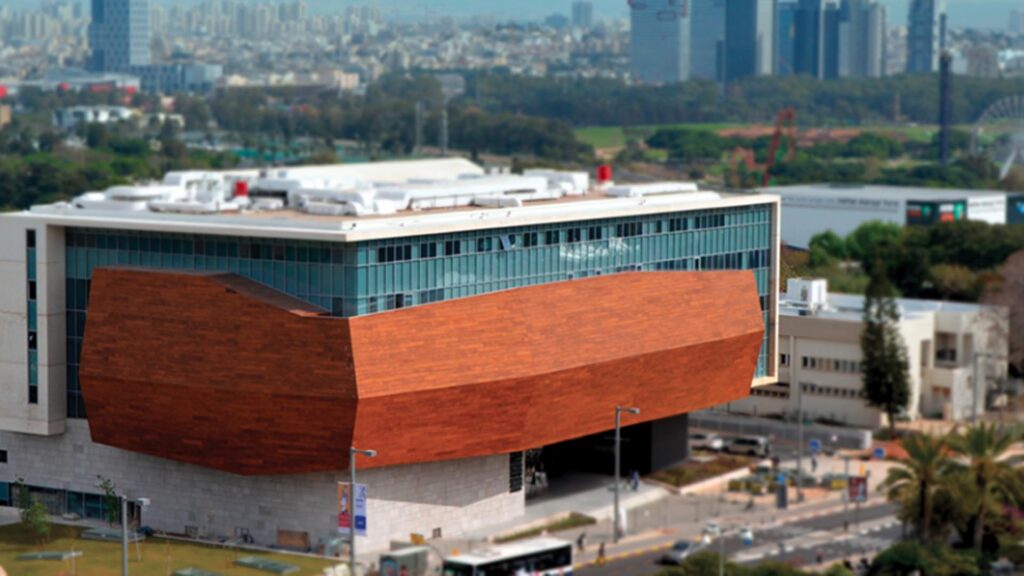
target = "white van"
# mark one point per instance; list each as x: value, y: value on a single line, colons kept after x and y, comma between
x: 750, y: 446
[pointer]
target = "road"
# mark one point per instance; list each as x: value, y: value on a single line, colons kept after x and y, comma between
x: 803, y: 541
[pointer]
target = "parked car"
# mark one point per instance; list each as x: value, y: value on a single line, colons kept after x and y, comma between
x: 712, y: 529
x: 679, y: 552
x: 750, y: 446
x: 706, y: 441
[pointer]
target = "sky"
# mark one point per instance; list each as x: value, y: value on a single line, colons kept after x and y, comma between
x: 962, y: 13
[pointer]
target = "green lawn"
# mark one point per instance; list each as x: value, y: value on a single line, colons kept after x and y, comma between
x: 158, y: 557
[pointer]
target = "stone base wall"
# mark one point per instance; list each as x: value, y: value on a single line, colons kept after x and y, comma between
x: 454, y: 496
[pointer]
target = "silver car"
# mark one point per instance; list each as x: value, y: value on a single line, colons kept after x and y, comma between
x: 706, y: 441
x: 679, y: 552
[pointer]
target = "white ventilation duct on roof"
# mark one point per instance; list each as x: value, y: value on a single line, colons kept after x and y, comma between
x: 652, y: 189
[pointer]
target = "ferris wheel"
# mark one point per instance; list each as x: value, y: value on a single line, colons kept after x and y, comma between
x: 999, y: 133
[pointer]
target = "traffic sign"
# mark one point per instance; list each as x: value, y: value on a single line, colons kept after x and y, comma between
x: 815, y: 446
x: 879, y: 453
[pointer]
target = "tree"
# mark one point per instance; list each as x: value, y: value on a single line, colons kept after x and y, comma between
x: 96, y: 136
x: 914, y: 480
x: 928, y: 560
x: 882, y: 349
x: 983, y: 447
x: 955, y: 282
x: 36, y: 519
x: 826, y: 248
x: 864, y: 243
x: 111, y: 500
x: 1008, y: 293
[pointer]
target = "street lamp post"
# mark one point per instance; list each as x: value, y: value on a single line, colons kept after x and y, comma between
x: 352, y: 451
x: 800, y: 443
x: 143, y: 502
x: 124, y: 535
x: 618, y: 446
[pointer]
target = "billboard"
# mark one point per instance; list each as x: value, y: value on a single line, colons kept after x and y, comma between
x: 925, y: 213
x: 351, y: 509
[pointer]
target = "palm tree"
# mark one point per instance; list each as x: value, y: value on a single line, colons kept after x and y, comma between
x: 982, y: 451
x: 915, y: 480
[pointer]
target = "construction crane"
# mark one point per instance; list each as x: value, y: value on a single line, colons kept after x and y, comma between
x: 784, y: 133
x: 785, y: 126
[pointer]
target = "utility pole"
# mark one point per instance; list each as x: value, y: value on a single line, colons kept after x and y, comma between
x: 444, y: 130
x: 618, y: 462
x: 352, y: 451
x: 945, y: 105
x: 419, y: 129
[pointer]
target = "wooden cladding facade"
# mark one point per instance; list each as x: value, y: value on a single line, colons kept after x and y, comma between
x: 220, y: 372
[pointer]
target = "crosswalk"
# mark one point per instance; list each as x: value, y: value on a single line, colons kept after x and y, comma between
x: 828, y: 545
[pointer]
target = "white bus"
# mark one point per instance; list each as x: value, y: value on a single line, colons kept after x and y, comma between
x: 536, y: 557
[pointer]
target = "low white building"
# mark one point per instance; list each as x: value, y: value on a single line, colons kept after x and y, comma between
x: 68, y: 118
x: 949, y: 346
x: 810, y: 209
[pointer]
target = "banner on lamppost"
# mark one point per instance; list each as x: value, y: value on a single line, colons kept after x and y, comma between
x: 858, y: 489
x: 351, y: 509
x: 344, y: 508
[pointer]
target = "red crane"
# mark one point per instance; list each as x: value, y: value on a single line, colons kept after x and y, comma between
x: 785, y: 125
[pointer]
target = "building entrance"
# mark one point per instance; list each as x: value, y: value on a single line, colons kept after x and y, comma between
x: 646, y: 448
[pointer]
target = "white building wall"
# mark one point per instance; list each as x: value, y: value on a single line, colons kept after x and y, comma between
x: 805, y: 216
x: 16, y: 414
x: 456, y: 496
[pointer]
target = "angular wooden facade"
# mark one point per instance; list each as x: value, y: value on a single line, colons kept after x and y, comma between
x: 221, y: 372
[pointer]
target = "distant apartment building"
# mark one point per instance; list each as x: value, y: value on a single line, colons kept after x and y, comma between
x: 926, y: 35
x: 749, y: 39
x: 119, y: 35
x: 582, y: 14
x: 982, y: 61
x: 949, y: 349
x: 660, y: 41
x: 1016, y: 23
x: 707, y: 38
x: 5, y: 115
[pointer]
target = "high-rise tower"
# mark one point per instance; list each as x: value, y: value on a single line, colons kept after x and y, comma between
x: 749, y: 38
x: 119, y: 35
x: 926, y: 35
x: 659, y: 41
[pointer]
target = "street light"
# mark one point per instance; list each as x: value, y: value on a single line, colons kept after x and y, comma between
x: 143, y: 502
x: 352, y: 451
x: 618, y: 447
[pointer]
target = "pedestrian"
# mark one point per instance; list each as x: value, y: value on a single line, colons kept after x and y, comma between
x: 819, y: 557
x: 600, y: 555
x: 814, y: 465
x: 636, y: 481
x: 581, y: 542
